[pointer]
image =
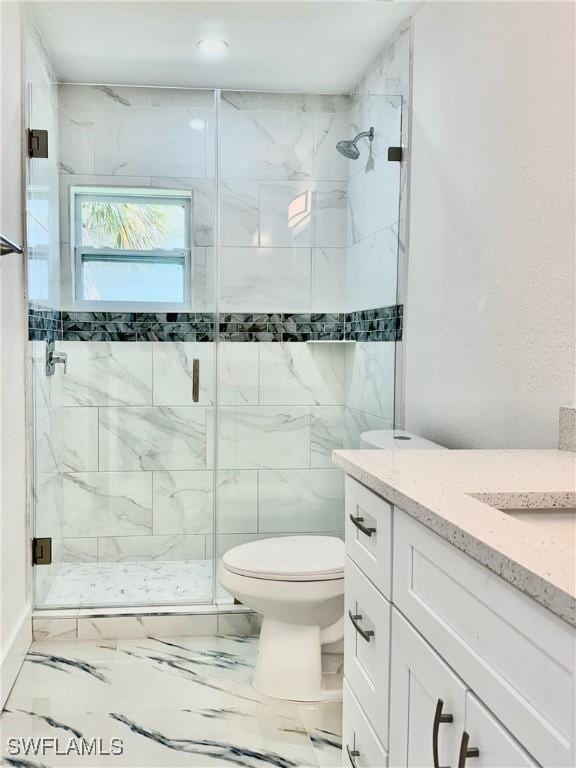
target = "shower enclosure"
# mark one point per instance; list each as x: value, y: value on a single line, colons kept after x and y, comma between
x: 219, y: 284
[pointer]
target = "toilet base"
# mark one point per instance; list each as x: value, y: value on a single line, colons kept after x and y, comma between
x: 289, y: 665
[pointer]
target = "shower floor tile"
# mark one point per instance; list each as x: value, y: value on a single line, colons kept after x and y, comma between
x: 109, y: 584
x: 171, y: 702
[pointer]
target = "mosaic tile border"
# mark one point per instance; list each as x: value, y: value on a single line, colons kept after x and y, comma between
x: 138, y: 326
x: 44, y: 323
x: 380, y: 324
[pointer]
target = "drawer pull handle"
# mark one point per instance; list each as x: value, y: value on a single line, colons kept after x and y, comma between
x: 466, y: 751
x: 358, y: 523
x: 367, y: 634
x: 438, y: 718
x: 352, y: 755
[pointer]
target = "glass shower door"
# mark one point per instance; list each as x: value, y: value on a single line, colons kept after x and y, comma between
x: 307, y: 299
x: 123, y: 418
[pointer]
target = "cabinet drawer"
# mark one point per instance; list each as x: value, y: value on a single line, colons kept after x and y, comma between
x: 360, y: 745
x: 516, y: 656
x: 497, y: 749
x: 370, y: 549
x: 367, y: 647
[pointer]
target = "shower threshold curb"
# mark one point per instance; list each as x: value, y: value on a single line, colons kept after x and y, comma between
x: 53, y: 624
x: 140, y: 610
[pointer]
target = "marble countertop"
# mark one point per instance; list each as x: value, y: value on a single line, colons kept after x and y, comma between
x: 452, y: 493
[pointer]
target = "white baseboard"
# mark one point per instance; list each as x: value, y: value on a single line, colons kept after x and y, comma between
x: 14, y: 653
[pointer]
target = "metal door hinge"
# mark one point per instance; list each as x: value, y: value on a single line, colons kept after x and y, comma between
x: 395, y: 154
x: 37, y: 143
x: 41, y: 551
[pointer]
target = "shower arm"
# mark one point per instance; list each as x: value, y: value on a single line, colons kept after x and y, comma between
x: 364, y: 135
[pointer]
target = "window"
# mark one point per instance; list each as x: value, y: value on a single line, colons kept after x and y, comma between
x: 131, y: 246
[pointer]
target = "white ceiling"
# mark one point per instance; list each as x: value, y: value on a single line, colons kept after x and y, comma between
x: 282, y: 46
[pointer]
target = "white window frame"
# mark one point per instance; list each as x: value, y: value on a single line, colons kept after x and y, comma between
x: 82, y: 253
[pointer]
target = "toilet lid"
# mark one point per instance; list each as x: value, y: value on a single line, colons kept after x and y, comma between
x: 289, y: 558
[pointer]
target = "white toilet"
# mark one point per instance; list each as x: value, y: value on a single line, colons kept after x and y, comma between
x: 297, y: 584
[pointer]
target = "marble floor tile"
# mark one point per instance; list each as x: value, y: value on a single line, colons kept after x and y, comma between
x: 150, y: 582
x: 181, y: 702
x: 51, y: 681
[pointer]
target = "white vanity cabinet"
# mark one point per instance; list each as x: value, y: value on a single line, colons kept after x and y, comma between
x: 435, y: 721
x: 428, y: 702
x: 458, y: 668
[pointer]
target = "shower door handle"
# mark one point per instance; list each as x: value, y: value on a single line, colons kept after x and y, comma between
x: 195, y: 380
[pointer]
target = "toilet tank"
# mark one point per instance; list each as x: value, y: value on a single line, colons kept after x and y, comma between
x: 382, y: 439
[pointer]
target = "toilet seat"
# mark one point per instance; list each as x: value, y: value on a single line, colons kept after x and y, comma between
x: 288, y: 558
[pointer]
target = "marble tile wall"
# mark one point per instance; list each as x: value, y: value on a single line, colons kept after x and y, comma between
x: 133, y: 458
x: 284, y: 198
x: 283, y: 185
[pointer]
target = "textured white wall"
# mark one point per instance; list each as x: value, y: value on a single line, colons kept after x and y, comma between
x: 14, y: 594
x: 490, y: 309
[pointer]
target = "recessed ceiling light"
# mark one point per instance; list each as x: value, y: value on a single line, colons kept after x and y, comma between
x: 213, y: 47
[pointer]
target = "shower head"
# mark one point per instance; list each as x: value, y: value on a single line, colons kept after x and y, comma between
x: 350, y: 149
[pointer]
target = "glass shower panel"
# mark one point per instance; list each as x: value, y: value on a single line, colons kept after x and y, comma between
x: 374, y: 319
x: 124, y: 470
x: 43, y: 282
x: 307, y: 295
